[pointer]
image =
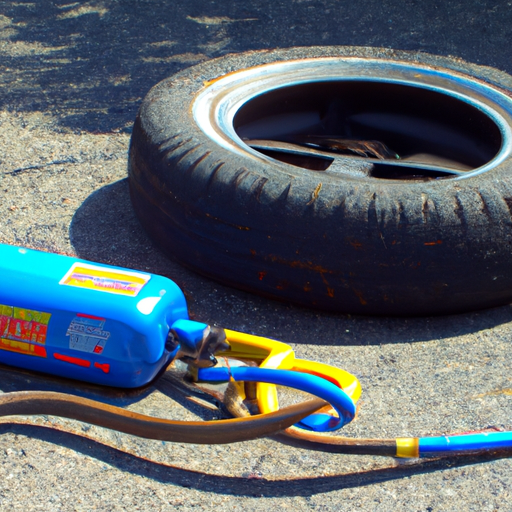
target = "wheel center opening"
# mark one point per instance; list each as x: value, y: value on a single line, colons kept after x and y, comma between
x: 400, y: 131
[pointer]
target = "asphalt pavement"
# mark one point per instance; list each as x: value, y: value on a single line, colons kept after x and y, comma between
x: 72, y: 76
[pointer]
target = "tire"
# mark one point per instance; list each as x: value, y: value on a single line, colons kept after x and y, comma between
x: 363, y: 238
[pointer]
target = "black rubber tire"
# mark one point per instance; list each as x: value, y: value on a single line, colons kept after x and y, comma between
x: 372, y: 246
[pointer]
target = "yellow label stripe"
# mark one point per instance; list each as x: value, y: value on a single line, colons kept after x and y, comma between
x: 22, y: 347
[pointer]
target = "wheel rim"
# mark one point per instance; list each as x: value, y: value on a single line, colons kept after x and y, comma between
x: 442, y: 124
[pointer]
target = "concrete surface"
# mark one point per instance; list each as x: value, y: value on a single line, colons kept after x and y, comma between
x: 71, y: 78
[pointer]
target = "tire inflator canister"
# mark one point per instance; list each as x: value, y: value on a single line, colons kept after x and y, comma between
x: 88, y: 321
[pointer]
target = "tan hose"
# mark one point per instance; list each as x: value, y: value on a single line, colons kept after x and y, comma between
x: 338, y: 444
x: 116, y: 418
x: 312, y: 440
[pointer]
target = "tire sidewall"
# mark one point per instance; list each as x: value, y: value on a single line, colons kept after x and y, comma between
x: 430, y: 234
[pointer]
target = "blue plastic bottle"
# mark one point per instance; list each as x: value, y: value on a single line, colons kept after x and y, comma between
x: 83, y: 320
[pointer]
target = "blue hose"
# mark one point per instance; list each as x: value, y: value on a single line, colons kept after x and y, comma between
x: 312, y: 384
x: 465, y: 442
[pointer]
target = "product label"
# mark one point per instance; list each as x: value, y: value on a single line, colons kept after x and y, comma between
x: 87, y: 334
x: 23, y: 330
x: 120, y: 282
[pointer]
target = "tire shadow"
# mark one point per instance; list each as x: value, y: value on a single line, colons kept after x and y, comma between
x: 105, y: 229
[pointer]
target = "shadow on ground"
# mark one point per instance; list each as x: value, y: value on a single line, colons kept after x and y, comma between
x: 240, y: 486
x: 90, y: 63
